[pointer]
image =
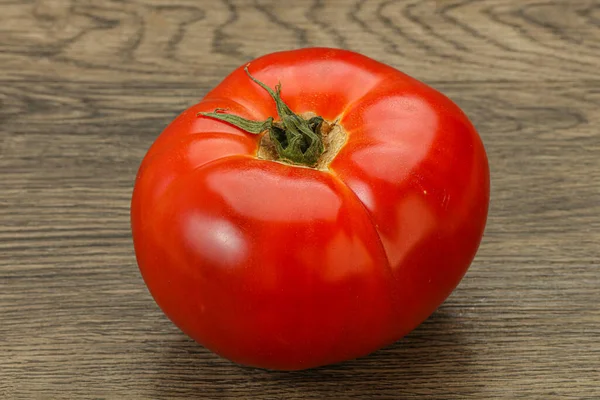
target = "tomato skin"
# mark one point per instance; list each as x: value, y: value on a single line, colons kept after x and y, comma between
x: 287, y: 267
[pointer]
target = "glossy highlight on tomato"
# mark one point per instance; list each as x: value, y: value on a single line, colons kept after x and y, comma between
x: 289, y: 267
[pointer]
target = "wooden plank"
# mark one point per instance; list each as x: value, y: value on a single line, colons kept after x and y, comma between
x: 85, y: 87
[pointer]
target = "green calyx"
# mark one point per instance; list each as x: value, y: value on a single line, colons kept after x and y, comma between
x: 296, y: 140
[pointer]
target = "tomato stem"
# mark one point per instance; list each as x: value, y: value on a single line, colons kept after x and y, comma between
x: 297, y: 140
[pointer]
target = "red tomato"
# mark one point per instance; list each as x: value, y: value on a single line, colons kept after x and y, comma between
x: 286, y: 266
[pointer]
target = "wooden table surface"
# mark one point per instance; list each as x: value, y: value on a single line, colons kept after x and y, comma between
x: 86, y: 86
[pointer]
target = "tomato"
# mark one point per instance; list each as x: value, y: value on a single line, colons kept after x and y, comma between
x: 314, y: 207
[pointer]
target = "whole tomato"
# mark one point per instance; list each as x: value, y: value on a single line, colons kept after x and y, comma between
x: 315, y: 206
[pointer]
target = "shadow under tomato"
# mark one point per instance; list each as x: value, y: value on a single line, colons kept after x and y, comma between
x: 428, y: 361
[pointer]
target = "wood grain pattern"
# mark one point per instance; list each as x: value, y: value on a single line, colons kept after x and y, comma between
x: 86, y: 86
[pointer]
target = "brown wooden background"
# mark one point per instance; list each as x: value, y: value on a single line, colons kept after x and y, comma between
x: 86, y: 86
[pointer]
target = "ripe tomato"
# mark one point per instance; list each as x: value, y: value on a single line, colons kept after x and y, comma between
x: 321, y: 239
